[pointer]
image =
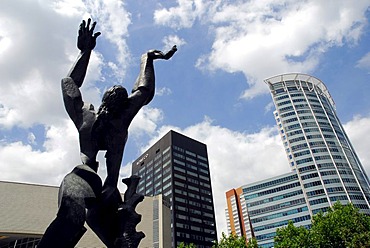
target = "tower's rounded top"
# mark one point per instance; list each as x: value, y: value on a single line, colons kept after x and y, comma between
x: 297, y: 77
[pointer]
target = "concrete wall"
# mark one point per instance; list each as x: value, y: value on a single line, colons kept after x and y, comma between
x: 27, y: 210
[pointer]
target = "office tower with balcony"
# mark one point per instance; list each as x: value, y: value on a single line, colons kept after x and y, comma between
x: 316, y: 144
x: 324, y: 166
x: 177, y: 167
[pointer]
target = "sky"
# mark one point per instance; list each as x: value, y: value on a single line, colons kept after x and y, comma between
x: 211, y: 90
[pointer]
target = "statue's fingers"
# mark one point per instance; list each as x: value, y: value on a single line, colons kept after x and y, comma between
x: 82, y: 28
x: 93, y: 27
x: 80, y: 31
x: 88, y: 24
x: 96, y: 35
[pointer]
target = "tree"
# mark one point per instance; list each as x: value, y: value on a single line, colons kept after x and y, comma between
x: 343, y: 226
x: 252, y: 243
x: 183, y: 245
x: 291, y: 236
x: 230, y: 241
x: 233, y: 241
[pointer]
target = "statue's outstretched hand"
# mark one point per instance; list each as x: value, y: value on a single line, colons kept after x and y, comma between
x: 156, y: 54
x: 86, y: 37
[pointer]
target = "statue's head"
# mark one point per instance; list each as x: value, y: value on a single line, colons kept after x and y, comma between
x: 114, y: 98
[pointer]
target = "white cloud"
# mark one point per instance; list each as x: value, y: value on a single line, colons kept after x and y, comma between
x: 146, y: 121
x: 364, y: 62
x: 19, y: 162
x: 69, y: 7
x: 163, y: 91
x: 269, y: 107
x: 31, y: 138
x: 264, y: 38
x: 171, y: 40
x: 5, y: 43
x: 358, y: 130
x: 113, y: 21
x: 184, y: 15
x: 32, y: 64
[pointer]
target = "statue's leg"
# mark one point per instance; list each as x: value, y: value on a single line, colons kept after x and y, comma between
x: 103, y: 217
x: 65, y: 232
x: 113, y: 160
x: 68, y: 227
x: 76, y: 193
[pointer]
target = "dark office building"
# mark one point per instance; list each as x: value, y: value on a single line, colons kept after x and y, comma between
x: 177, y: 167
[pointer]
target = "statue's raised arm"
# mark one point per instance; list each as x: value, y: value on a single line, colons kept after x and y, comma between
x: 73, y: 102
x: 86, y: 42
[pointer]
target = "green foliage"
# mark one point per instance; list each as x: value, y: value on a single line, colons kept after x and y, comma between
x: 341, y: 227
x: 230, y: 241
x: 183, y: 245
x: 291, y: 236
x: 233, y: 241
x: 252, y: 243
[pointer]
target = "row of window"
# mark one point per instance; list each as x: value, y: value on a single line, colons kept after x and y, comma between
x: 275, y: 198
x: 195, y: 228
x: 318, y: 201
x: 315, y: 192
x: 181, y: 150
x: 270, y: 183
x: 323, y: 157
x: 295, y: 132
x: 276, y: 207
x: 195, y: 219
x: 308, y: 176
x: 335, y: 189
x: 281, y: 223
x: 299, y: 147
x: 274, y: 190
x: 310, y: 100
x: 194, y: 237
x: 189, y: 166
x: 317, y: 150
x: 190, y: 197
x: 357, y: 197
x: 279, y: 215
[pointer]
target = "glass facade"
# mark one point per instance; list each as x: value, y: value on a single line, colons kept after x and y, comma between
x: 177, y: 167
x: 324, y: 166
x: 316, y: 144
x: 270, y: 204
x: 22, y: 243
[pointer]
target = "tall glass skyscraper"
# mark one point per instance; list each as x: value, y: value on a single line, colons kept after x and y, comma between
x: 324, y: 166
x: 316, y: 144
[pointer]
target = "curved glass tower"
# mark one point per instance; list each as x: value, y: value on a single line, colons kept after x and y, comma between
x: 316, y: 144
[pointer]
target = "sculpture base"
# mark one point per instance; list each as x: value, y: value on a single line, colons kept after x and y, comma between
x: 113, y: 220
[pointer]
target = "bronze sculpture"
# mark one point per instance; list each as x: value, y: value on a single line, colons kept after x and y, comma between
x: 109, y: 217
